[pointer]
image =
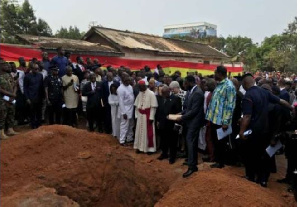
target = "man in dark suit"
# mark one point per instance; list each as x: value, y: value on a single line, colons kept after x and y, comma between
x: 284, y: 94
x: 193, y: 116
x: 106, y: 92
x: 94, y: 108
x: 168, y: 104
x: 34, y: 93
x: 78, y: 68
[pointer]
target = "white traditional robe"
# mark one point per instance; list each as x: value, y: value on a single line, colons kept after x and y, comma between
x: 143, y: 101
x: 114, y: 105
x: 126, y: 103
x: 126, y: 100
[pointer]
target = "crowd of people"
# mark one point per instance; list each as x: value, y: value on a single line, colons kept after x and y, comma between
x: 156, y: 111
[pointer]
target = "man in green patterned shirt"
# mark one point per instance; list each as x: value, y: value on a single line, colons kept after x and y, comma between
x: 219, y: 112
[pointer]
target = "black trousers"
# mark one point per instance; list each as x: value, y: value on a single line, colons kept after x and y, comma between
x: 219, y: 145
x: 257, y: 162
x: 70, y: 117
x: 192, y: 143
x: 22, y: 109
x: 94, y: 114
x: 168, y: 142
x: 36, y: 113
x: 54, y: 110
x: 107, y: 119
x: 291, y: 155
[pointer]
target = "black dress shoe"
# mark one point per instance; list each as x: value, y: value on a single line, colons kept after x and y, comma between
x: 181, y: 155
x: 284, y: 180
x: 251, y: 179
x: 185, y: 163
x: 123, y: 144
x: 130, y: 142
x: 150, y: 153
x: 162, y: 157
x: 171, y: 161
x: 217, y: 165
x: 137, y: 151
x: 189, y: 172
x: 206, y: 159
x: 264, y: 184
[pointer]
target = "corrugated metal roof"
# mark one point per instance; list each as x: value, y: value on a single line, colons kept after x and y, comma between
x: 135, y: 40
x: 69, y: 44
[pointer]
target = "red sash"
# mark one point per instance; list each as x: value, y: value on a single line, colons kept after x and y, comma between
x: 149, y: 126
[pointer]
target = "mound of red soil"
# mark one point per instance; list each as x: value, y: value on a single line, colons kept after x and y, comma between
x: 36, y: 195
x: 63, y: 166
x: 219, y: 187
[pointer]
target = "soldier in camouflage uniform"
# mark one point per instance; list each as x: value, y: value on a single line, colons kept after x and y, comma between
x: 7, y: 108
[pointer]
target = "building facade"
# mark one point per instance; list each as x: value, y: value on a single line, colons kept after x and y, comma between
x: 118, y: 48
x: 196, y: 30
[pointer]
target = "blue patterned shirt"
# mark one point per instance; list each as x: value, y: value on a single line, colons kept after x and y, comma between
x: 222, y: 103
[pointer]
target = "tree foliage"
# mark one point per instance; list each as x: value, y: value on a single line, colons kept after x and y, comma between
x: 278, y: 52
x: 20, y: 19
x: 71, y: 33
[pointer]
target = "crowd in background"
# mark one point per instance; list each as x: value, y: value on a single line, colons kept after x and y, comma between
x: 134, y: 106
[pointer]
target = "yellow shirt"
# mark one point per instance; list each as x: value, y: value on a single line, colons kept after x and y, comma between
x: 70, y: 95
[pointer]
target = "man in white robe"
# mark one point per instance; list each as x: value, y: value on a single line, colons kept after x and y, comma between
x: 145, y: 109
x: 126, y: 102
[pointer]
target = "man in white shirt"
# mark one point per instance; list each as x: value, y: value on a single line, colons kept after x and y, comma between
x: 126, y: 105
x: 21, y: 110
x: 18, y: 75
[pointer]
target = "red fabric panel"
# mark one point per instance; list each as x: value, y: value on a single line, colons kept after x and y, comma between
x: 12, y: 53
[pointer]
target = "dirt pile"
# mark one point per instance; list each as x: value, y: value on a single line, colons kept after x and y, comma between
x: 62, y: 166
x: 36, y: 195
x: 89, y: 168
x: 218, y: 188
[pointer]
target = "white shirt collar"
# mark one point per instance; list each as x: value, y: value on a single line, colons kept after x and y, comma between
x: 191, y: 91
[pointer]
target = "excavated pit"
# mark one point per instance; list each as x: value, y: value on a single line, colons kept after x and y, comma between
x: 89, y: 168
x: 63, y: 166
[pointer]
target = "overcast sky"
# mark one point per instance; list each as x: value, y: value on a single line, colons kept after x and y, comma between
x: 256, y: 19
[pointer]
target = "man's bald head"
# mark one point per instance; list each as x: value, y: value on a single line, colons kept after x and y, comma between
x: 236, y: 83
x: 110, y: 76
x: 248, y: 82
x: 124, y: 75
x: 267, y: 87
x: 165, y: 91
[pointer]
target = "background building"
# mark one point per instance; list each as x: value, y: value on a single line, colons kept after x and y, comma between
x: 134, y: 50
x: 197, y: 30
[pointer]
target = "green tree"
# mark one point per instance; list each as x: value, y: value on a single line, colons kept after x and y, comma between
x: 43, y: 29
x: 280, y: 51
x: 27, y: 19
x: 71, y: 33
x: 236, y: 46
x: 16, y: 19
x: 9, y: 20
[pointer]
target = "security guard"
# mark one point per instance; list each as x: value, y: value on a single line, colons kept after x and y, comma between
x: 7, y: 100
